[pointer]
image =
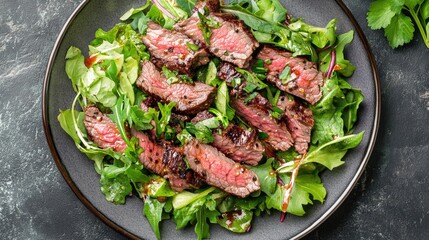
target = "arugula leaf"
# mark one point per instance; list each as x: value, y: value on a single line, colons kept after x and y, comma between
x: 331, y: 153
x: 201, y: 227
x: 161, y: 123
x: 343, y: 66
x: 305, y: 185
x: 273, y: 32
x: 153, y: 211
x: 266, y: 175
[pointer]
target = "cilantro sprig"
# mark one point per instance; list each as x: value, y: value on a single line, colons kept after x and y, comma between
x: 398, y: 18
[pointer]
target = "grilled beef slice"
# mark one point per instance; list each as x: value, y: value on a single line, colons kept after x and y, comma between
x: 240, y: 145
x: 218, y: 170
x: 230, y: 41
x: 299, y: 120
x: 228, y: 73
x: 170, y: 48
x: 102, y: 130
x: 303, y: 80
x: 167, y: 162
x: 189, y: 98
x: 256, y: 113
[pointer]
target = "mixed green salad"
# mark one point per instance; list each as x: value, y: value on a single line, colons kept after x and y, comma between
x: 107, y: 77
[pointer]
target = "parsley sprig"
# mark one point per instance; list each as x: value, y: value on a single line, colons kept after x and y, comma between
x: 398, y: 17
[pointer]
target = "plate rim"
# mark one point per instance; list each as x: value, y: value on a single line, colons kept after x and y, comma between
x: 337, y: 203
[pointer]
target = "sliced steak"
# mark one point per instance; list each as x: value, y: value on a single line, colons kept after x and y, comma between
x: 170, y: 48
x: 189, y: 98
x: 167, y: 162
x: 228, y: 73
x: 231, y: 41
x: 218, y: 170
x: 299, y: 120
x: 303, y: 80
x: 256, y: 113
x: 240, y: 145
x: 201, y: 116
x: 102, y: 130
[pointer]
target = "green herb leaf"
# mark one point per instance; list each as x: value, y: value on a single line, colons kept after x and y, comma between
x: 285, y: 74
x: 250, y: 97
x: 381, y: 12
x: 75, y: 65
x: 116, y: 189
x: 331, y: 153
x: 153, y: 211
x: 424, y: 12
x: 399, y: 31
x: 236, y: 221
x: 193, y: 47
x: 222, y: 101
x: 186, y: 5
x: 267, y: 176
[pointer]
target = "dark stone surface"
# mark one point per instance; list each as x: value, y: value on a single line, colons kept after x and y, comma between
x: 391, y: 200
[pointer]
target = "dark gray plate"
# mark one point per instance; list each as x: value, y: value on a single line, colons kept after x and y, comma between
x: 78, y: 170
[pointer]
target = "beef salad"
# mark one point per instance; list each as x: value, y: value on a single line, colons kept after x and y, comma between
x: 211, y: 113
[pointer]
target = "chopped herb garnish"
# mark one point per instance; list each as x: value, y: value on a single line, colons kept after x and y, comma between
x: 262, y: 135
x: 285, y: 74
x: 250, y: 97
x: 193, y: 47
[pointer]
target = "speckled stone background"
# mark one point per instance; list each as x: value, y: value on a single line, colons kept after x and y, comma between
x: 391, y: 200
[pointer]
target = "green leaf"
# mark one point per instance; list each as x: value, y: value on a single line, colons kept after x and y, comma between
x: 66, y: 122
x: 306, y: 185
x: 133, y: 11
x: 222, y: 101
x: 153, y: 211
x: 331, y: 153
x: 400, y: 30
x: 159, y: 187
x: 353, y: 99
x: 346, y: 68
x: 267, y: 176
x: 271, y: 10
x: 424, y: 13
x: 186, y: 5
x: 411, y: 4
x: 75, y: 65
x: 201, y: 132
x: 182, y: 216
x: 185, y: 198
x: 321, y: 37
x: 115, y: 189
x: 211, y: 75
x: 381, y: 12
x: 202, y: 227
x: 236, y: 221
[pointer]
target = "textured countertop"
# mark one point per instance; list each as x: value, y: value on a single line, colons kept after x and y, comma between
x: 391, y: 200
